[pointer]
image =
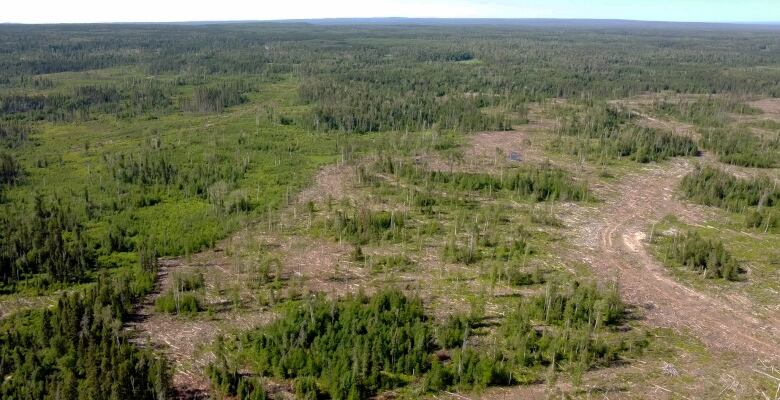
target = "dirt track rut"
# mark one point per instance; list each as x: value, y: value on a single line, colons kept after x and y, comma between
x: 610, y: 237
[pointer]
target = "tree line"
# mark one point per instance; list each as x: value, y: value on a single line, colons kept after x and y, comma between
x: 602, y: 132
x: 132, y: 98
x: 535, y: 183
x: 78, y: 349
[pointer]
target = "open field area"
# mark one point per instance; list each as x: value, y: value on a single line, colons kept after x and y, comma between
x: 311, y: 211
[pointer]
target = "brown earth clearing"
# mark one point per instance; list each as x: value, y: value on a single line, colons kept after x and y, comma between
x: 709, y: 346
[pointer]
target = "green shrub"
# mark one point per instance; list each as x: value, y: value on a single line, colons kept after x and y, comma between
x: 10, y: 170
x: 707, y: 256
x: 512, y: 250
x: 223, y: 380
x: 391, y: 263
x: 353, y: 347
x: 713, y: 187
x: 14, y: 134
x: 177, y: 303
x: 538, y: 184
x: 740, y: 148
x: 214, y: 99
x: 465, y: 254
x: 438, y: 378
x: 454, y: 331
x: 472, y: 368
x: 705, y: 111
x: 188, y: 281
x: 517, y: 277
x: 358, y: 346
x: 77, y: 349
x: 764, y: 219
x: 365, y: 226
x: 249, y: 389
x: 306, y: 388
x: 609, y: 133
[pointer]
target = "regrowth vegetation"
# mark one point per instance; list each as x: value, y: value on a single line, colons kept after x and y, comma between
x: 604, y: 133
x: 714, y: 187
x: 358, y: 346
x: 732, y: 145
x: 739, y: 147
x: 533, y: 183
x: 123, y: 143
x: 708, y: 257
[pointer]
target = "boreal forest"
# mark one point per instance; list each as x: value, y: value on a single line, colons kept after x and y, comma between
x: 394, y: 210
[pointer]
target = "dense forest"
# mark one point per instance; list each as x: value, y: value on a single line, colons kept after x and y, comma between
x: 78, y: 349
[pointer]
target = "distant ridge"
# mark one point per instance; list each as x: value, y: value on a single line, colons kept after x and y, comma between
x: 541, y: 22
x: 507, y: 22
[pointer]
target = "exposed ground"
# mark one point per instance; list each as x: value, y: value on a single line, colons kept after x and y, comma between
x: 770, y: 111
x: 515, y: 145
x: 331, y: 182
x: 236, y: 296
x: 495, y: 150
x: 186, y: 340
x: 12, y: 304
x: 305, y: 265
x: 739, y: 341
x: 769, y: 107
x: 612, y: 239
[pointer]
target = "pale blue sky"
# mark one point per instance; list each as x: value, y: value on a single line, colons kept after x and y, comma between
x: 34, y: 11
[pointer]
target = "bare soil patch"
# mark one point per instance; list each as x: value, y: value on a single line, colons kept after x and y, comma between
x: 518, y: 145
x: 236, y: 303
x: 676, y: 127
x: 493, y: 147
x: 14, y: 303
x: 319, y: 266
x: 493, y: 151
x: 611, y: 238
x: 770, y: 107
x: 186, y: 340
x: 331, y: 182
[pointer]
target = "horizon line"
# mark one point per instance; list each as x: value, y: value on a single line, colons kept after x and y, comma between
x: 235, y: 21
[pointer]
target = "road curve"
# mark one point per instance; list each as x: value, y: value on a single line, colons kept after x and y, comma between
x: 611, y: 239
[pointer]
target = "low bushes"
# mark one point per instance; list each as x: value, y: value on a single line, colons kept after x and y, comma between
x: 702, y: 255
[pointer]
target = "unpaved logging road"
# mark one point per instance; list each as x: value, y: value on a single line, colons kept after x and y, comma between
x: 611, y: 238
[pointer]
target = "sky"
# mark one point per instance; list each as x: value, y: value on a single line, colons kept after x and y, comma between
x: 65, y: 11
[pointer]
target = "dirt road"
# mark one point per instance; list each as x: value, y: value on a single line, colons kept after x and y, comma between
x: 610, y: 237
